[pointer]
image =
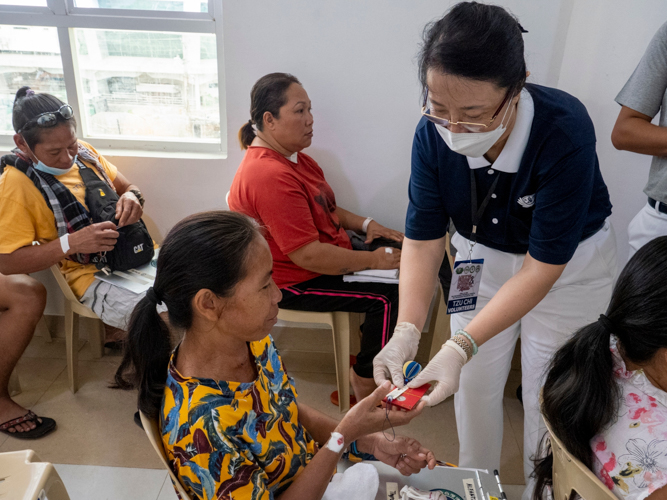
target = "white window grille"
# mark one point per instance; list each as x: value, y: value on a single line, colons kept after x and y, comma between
x: 141, y: 75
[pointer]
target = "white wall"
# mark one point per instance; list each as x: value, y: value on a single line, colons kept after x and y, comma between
x: 605, y: 41
x: 357, y: 60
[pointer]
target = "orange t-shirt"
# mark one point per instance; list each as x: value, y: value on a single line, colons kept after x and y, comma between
x: 25, y: 217
x: 293, y: 202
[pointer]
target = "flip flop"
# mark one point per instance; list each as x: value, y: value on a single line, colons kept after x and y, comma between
x: 45, y: 427
x: 335, y: 401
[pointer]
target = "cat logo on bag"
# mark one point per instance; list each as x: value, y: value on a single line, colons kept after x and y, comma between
x: 139, y: 248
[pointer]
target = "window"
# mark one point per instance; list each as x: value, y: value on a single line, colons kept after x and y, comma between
x: 29, y: 56
x: 26, y: 3
x: 140, y: 74
x: 151, y: 85
x: 171, y: 5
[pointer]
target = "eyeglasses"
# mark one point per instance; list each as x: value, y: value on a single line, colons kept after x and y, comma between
x: 50, y: 118
x: 470, y: 127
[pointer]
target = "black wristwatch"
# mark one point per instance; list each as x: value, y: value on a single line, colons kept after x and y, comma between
x: 139, y: 196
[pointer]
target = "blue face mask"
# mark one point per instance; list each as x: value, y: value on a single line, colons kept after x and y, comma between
x: 50, y: 170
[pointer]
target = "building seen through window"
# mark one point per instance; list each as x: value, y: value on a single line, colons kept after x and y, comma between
x: 131, y: 85
x: 148, y: 84
x: 28, y: 56
x: 170, y: 5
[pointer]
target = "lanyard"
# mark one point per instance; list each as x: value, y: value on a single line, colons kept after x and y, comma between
x: 477, y: 212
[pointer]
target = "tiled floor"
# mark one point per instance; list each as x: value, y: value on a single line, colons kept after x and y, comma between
x: 101, y: 450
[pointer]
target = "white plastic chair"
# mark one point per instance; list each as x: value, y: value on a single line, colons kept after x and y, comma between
x: 74, y: 309
x: 23, y: 476
x: 343, y: 325
x: 152, y: 430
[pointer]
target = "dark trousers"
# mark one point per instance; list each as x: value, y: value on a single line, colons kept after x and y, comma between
x: 330, y: 293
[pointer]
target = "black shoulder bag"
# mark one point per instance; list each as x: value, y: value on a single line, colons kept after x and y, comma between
x: 134, y: 246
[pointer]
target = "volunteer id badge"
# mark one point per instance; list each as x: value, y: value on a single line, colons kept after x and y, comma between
x: 464, y: 289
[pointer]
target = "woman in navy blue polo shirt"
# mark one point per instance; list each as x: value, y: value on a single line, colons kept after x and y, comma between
x: 514, y: 166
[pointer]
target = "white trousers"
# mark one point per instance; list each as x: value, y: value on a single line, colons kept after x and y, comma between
x: 648, y: 224
x: 579, y: 296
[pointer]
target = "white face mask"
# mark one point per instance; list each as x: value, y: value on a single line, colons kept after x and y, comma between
x: 472, y: 144
x: 42, y: 167
x: 469, y: 144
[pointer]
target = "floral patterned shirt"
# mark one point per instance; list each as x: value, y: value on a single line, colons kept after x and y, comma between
x: 233, y: 440
x: 630, y: 455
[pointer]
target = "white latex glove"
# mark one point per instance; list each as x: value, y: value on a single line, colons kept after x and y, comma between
x: 402, y: 347
x: 445, y: 370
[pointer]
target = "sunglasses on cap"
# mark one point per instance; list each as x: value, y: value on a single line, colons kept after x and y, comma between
x: 50, y: 118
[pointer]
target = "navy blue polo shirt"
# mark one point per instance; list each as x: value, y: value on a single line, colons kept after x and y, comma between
x: 556, y: 199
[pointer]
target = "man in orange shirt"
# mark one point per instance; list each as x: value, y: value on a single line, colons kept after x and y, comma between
x: 48, y: 160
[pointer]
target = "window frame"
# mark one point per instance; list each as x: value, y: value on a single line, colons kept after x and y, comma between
x: 65, y: 16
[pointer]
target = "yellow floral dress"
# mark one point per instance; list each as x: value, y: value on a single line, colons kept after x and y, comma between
x: 232, y: 440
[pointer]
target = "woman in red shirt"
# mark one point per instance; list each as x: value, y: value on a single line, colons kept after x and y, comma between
x: 286, y: 192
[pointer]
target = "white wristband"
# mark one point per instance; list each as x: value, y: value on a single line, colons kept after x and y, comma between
x: 64, y: 243
x: 336, y: 442
x: 364, y: 226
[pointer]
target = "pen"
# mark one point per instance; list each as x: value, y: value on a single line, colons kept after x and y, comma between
x: 479, y: 483
x: 500, y: 488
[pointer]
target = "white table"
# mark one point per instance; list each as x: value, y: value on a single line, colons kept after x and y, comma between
x: 448, y: 478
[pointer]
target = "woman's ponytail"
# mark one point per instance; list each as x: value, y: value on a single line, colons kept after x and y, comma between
x: 580, y: 396
x: 146, y: 355
x: 246, y: 135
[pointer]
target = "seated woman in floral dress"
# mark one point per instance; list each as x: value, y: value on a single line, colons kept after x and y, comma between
x: 605, y: 396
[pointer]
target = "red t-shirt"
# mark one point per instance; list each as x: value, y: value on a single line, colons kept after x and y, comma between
x: 293, y: 202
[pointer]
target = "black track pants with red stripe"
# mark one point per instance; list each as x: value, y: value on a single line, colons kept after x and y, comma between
x: 330, y: 293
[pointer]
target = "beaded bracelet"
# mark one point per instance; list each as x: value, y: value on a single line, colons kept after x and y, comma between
x: 472, y: 341
x: 461, y: 342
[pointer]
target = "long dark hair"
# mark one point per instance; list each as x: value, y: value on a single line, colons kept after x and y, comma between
x: 268, y: 94
x: 28, y: 105
x: 476, y: 41
x: 580, y: 395
x: 208, y: 250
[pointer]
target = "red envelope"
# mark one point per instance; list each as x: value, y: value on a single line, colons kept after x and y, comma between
x: 409, y: 399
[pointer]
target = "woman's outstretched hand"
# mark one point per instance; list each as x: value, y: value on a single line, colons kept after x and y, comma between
x: 366, y: 418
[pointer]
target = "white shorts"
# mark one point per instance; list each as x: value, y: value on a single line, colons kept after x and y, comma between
x: 647, y: 225
x: 113, y: 304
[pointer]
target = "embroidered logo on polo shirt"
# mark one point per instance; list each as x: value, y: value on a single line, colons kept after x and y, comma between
x: 526, y: 201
